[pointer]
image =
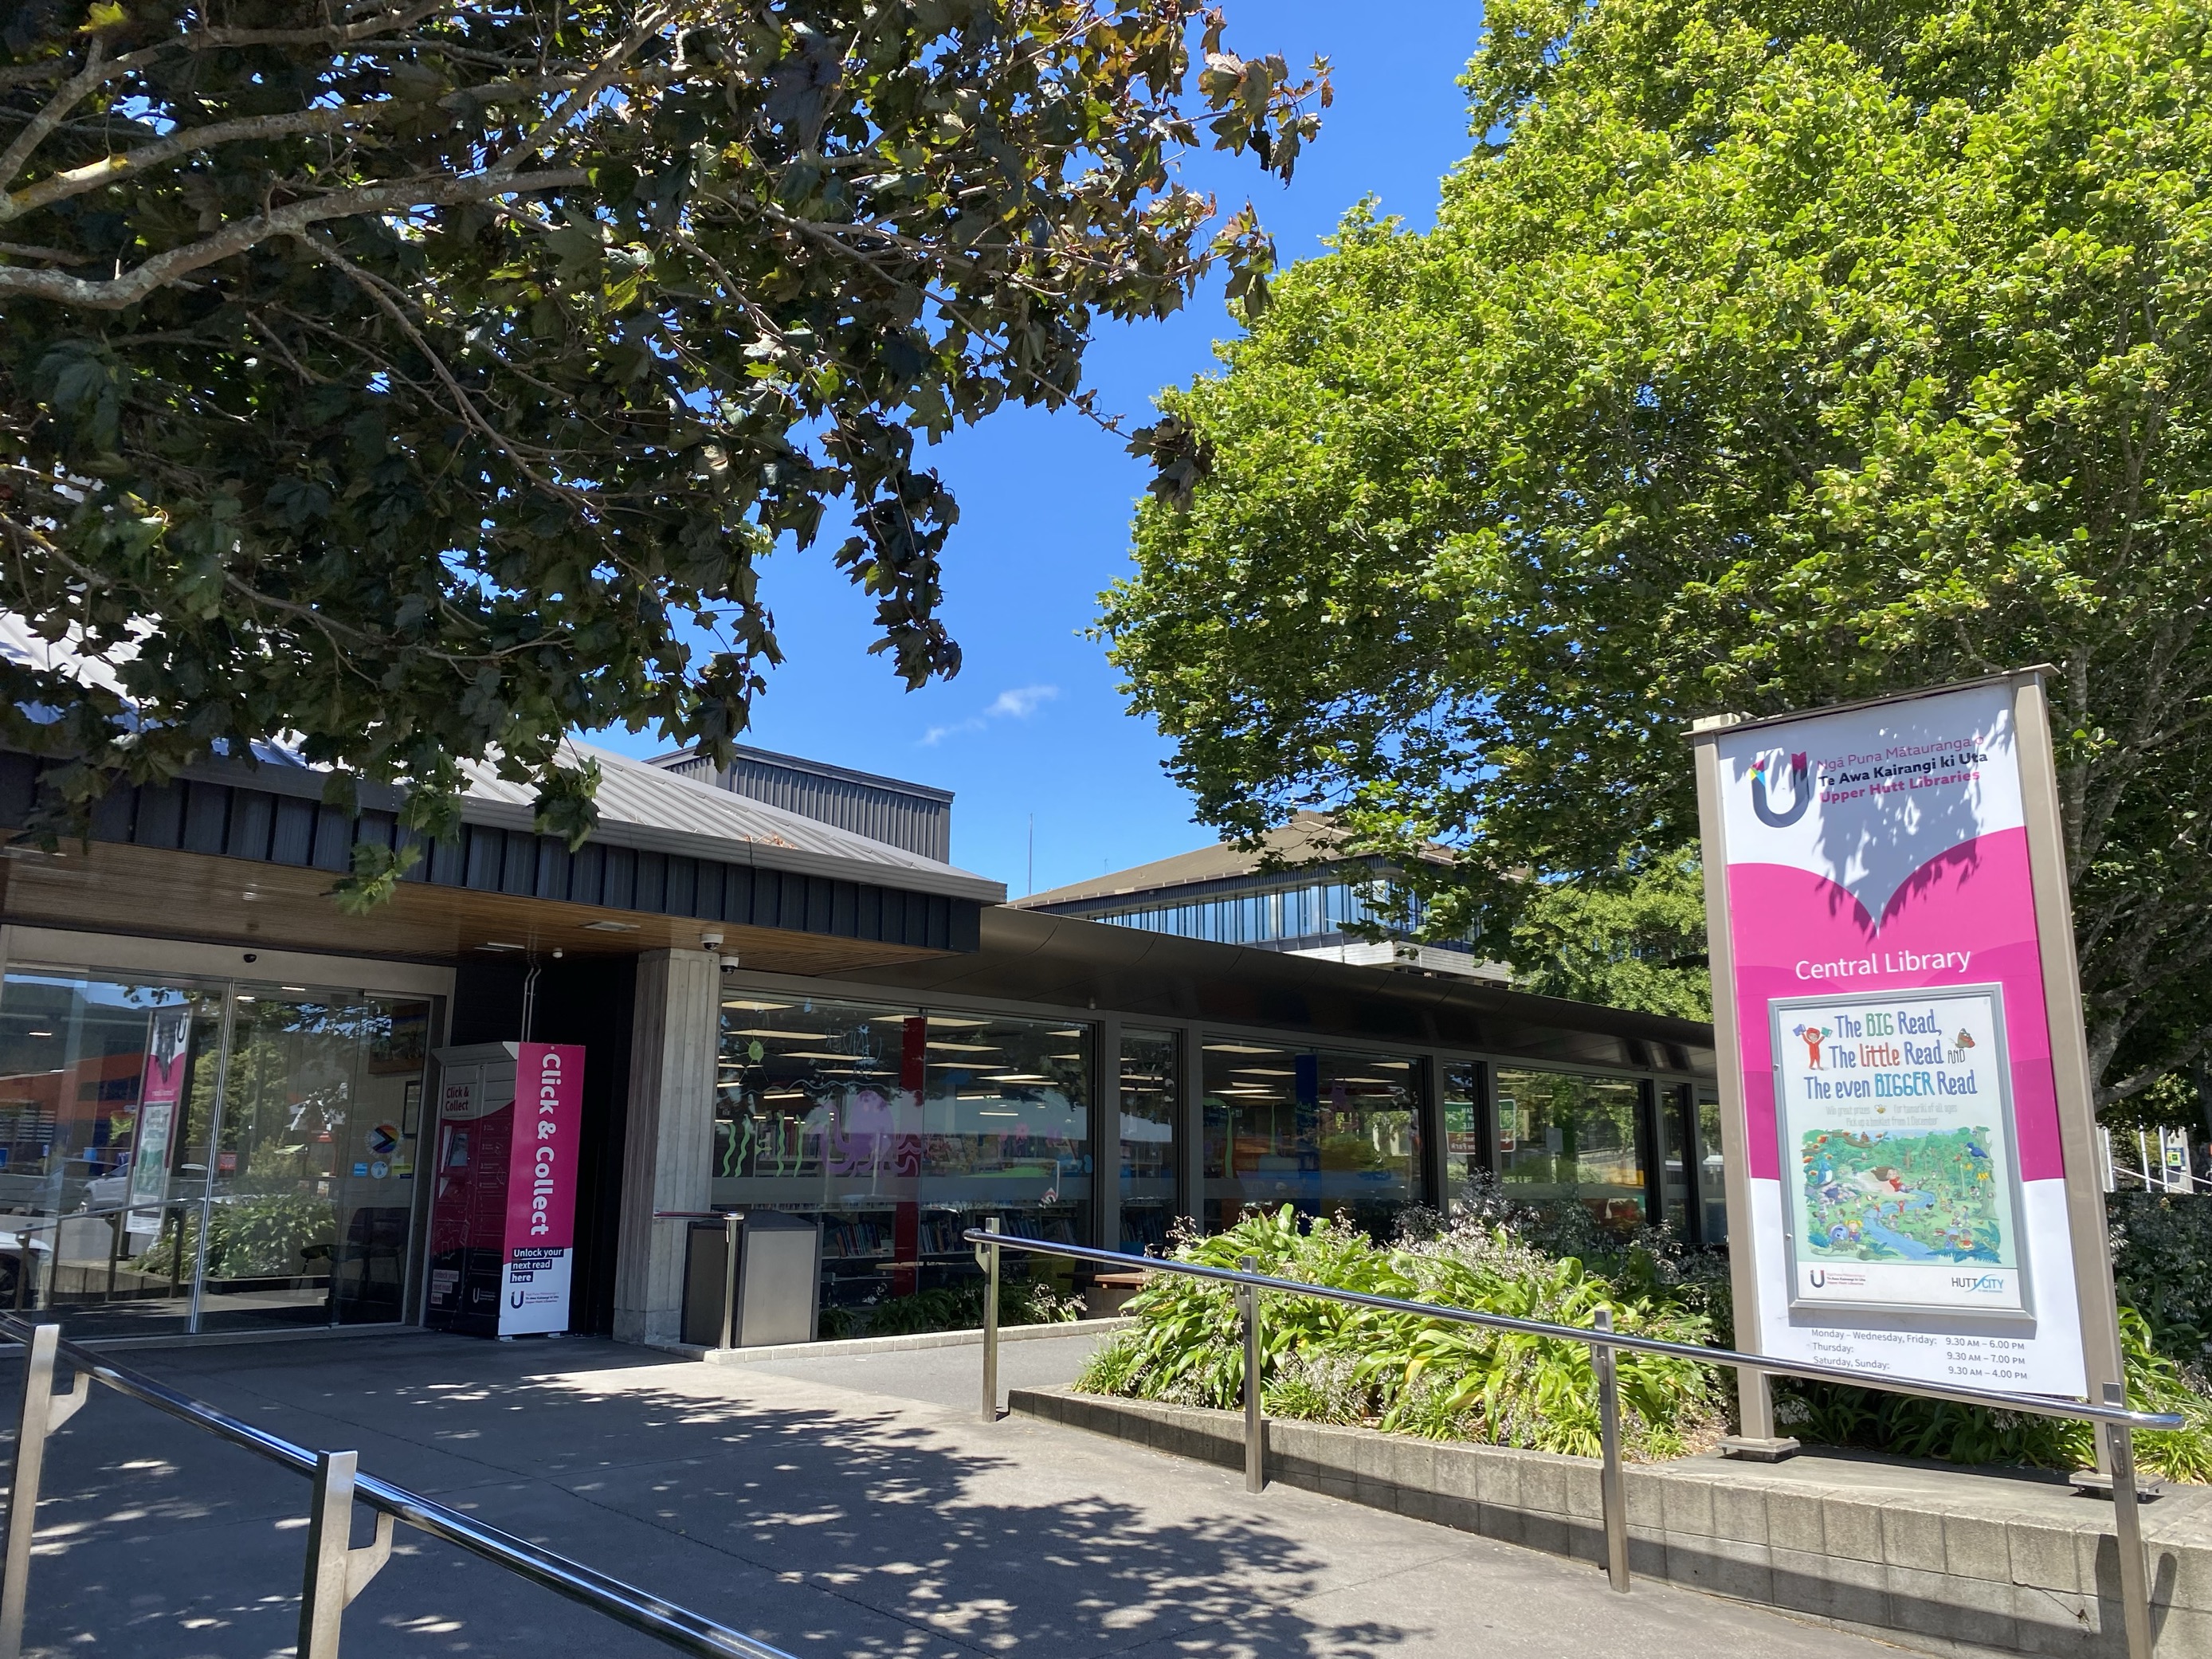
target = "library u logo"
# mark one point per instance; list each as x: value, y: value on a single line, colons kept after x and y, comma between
x: 1800, y: 791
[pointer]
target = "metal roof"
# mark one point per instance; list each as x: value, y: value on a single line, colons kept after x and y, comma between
x: 676, y: 757
x: 910, y: 815
x: 640, y: 804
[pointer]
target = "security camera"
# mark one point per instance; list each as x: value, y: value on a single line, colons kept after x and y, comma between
x: 251, y: 956
x: 729, y: 964
x: 710, y: 941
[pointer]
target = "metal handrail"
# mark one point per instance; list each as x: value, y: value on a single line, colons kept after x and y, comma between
x: 334, y: 1571
x: 2117, y: 1423
x: 2038, y: 1405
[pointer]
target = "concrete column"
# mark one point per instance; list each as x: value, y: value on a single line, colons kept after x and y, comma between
x: 668, y: 1143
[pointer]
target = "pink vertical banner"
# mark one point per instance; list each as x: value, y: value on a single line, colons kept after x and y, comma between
x: 160, y: 1090
x: 541, y: 1188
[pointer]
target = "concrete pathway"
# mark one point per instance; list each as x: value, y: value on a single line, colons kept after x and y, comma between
x: 839, y: 1508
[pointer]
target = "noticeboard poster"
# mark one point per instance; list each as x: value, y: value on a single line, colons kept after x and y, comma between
x: 1903, y: 1191
x: 1888, y: 1045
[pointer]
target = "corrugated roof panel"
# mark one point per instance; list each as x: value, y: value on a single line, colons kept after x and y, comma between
x: 638, y: 803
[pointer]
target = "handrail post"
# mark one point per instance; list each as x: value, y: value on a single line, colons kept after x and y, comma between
x: 42, y: 1414
x: 1613, y: 1489
x: 1255, y: 1428
x: 2127, y: 1522
x: 730, y: 1224
x: 988, y: 1254
x: 336, y: 1572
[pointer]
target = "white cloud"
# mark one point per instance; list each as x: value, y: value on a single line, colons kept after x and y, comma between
x: 1022, y: 701
x: 1018, y: 702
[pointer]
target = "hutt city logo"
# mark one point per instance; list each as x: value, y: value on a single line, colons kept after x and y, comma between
x: 1801, y: 790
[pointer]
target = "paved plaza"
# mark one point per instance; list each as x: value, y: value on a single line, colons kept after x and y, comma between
x: 846, y: 1505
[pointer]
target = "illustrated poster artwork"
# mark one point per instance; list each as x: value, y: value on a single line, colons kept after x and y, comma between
x: 1905, y: 1192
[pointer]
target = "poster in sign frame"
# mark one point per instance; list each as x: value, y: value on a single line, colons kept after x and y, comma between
x: 1906, y: 1110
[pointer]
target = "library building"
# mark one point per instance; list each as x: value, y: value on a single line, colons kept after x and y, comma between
x: 525, y: 1094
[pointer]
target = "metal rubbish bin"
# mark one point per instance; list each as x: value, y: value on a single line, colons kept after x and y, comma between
x: 769, y: 1292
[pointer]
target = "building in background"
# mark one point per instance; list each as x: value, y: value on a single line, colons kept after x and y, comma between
x: 915, y: 816
x: 1293, y: 894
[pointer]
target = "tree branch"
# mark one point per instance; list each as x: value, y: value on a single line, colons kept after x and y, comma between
x: 116, y: 293
x: 61, y: 185
x: 74, y: 91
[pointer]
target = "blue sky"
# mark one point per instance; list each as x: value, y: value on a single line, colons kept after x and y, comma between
x: 1032, y: 725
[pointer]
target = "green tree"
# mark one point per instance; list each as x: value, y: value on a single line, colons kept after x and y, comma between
x: 402, y: 377
x: 1763, y: 355
x: 1634, y: 940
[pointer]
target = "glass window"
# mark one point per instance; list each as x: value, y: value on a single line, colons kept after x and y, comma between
x: 1712, y: 1171
x: 1330, y: 1133
x: 1465, y: 1156
x: 1151, y: 1104
x: 901, y: 1129
x: 1564, y: 1137
x: 249, y: 1143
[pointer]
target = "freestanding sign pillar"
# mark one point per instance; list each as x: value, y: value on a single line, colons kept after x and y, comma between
x: 1907, y: 1101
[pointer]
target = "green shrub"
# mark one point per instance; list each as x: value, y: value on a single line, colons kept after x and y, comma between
x: 2162, y: 1263
x: 1329, y: 1362
x: 955, y: 1308
x: 265, y: 1235
x: 1837, y: 1415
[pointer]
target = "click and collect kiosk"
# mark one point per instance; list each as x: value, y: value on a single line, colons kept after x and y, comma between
x: 503, y: 1199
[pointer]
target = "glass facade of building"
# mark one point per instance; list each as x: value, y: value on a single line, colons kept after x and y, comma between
x: 1328, y: 1133
x: 1712, y: 1176
x: 899, y: 1129
x: 180, y: 1154
x: 1467, y: 1153
x: 1312, y: 911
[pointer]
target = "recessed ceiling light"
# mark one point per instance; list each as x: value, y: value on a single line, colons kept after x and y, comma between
x: 43, y: 1034
x: 495, y: 944
x: 611, y: 927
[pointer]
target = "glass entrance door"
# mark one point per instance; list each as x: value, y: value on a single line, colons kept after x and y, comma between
x: 313, y: 1186
x: 205, y: 1155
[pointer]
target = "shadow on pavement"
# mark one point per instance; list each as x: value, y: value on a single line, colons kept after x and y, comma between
x: 835, y: 1528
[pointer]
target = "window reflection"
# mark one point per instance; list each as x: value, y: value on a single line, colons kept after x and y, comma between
x: 1564, y: 1137
x: 1465, y: 1156
x: 900, y: 1129
x: 1329, y: 1134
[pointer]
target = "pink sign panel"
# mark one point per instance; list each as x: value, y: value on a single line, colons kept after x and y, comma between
x: 541, y: 1187
x: 1900, y: 1121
